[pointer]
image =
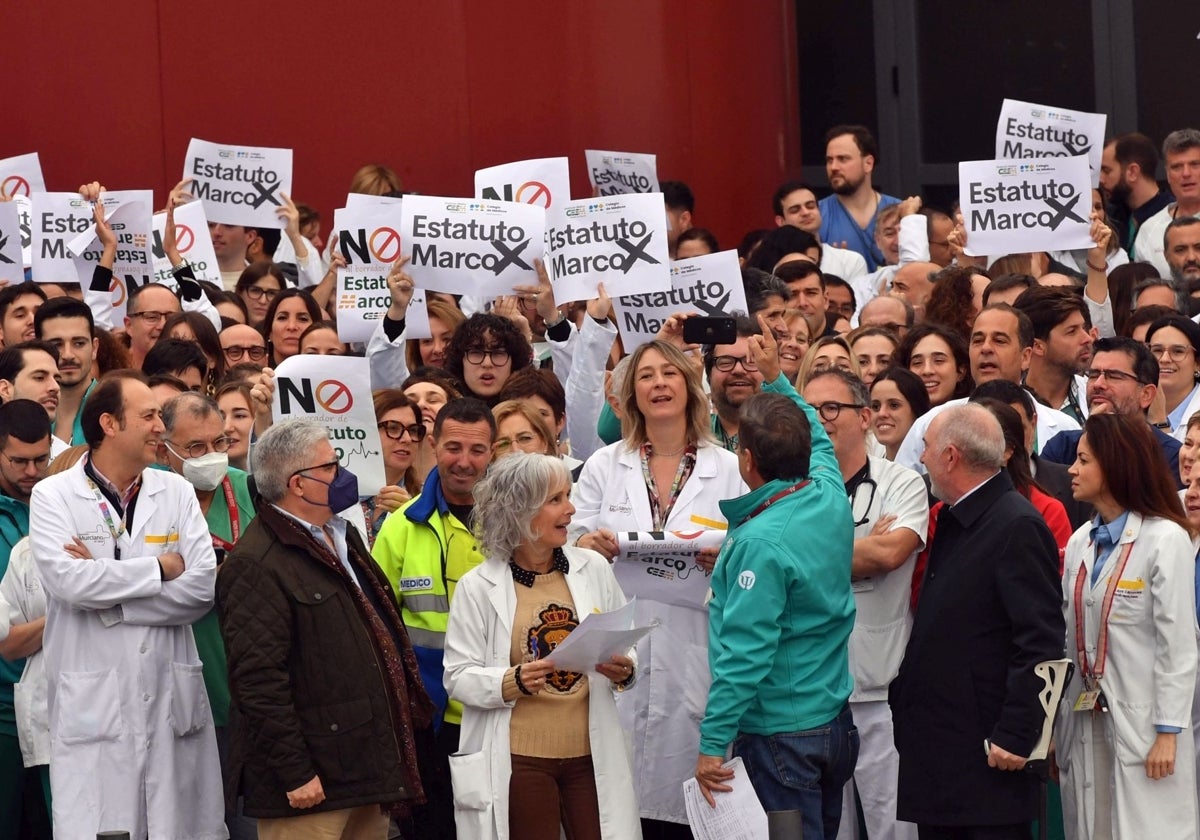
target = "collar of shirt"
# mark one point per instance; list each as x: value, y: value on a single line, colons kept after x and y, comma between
x: 964, y: 496
x: 1114, y: 528
x: 1175, y: 418
x: 337, y: 527
x: 122, y: 497
x: 526, y: 577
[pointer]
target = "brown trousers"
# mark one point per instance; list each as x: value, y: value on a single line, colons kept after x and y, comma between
x: 546, y: 792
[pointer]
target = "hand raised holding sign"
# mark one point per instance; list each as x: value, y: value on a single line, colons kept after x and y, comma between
x: 262, y: 392
x: 400, y: 287
x: 765, y: 350
x: 910, y: 205
x: 104, y: 233
x: 170, y: 241
x: 542, y: 294
x: 599, y: 306
x: 506, y: 307
x: 179, y: 194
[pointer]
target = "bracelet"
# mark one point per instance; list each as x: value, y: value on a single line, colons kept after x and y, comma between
x: 1103, y: 268
x: 1166, y: 424
x: 520, y: 685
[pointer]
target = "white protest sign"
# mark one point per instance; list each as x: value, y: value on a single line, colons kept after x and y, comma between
x: 129, y: 214
x: 710, y: 284
x: 1028, y: 130
x: 12, y: 267
x: 57, y: 218
x: 470, y: 246
x: 21, y: 175
x: 336, y: 392
x: 369, y: 240
x: 661, y: 565
x: 192, y: 240
x: 619, y: 241
x: 618, y: 173
x: 544, y: 182
x: 239, y: 185
x: 360, y: 201
x: 1022, y: 206
x: 25, y: 223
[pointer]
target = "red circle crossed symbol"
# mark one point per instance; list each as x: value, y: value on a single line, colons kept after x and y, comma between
x: 14, y: 185
x: 385, y: 244
x: 184, y: 238
x: 534, y: 192
x: 119, y: 289
x: 331, y: 395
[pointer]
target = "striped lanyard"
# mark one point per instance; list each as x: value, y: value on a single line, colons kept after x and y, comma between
x: 658, y: 511
x: 115, y: 527
x: 1092, y: 672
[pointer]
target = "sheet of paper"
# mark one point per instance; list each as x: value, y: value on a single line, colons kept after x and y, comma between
x: 621, y: 173
x: 543, y: 182
x: 738, y: 815
x: 598, y: 637
x: 661, y: 565
x: 239, y: 185
x: 1030, y: 130
x: 12, y: 268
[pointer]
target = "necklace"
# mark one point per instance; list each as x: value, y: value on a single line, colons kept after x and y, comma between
x: 678, y: 451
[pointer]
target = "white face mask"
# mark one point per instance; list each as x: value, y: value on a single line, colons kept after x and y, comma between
x: 205, y: 473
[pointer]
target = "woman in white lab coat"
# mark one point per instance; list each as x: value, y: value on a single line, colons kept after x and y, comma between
x: 665, y: 474
x: 1123, y: 774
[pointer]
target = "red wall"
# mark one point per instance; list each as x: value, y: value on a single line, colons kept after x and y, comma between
x: 113, y: 91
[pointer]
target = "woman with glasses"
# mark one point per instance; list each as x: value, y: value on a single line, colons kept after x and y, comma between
x: 289, y: 314
x: 665, y: 474
x: 401, y: 430
x: 520, y: 428
x: 1124, y: 750
x: 1175, y: 342
x: 258, y: 285
x: 484, y: 352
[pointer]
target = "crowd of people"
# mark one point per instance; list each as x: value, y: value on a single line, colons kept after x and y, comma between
x: 932, y: 474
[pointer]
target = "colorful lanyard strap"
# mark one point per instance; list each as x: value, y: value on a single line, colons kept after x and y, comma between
x: 234, y: 520
x: 113, y: 527
x: 658, y: 510
x: 782, y: 494
x: 1092, y: 673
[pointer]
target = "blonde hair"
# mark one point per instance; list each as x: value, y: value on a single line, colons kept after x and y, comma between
x: 814, y: 350
x: 508, y: 408
x: 698, y: 412
x: 375, y: 179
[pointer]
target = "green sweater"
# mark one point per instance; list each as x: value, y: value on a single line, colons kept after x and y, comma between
x: 14, y: 524
x: 782, y: 608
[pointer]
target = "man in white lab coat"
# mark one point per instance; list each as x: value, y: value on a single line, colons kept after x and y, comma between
x: 127, y: 566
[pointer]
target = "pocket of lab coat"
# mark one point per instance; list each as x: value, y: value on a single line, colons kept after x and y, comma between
x: 189, y: 699
x: 875, y: 653
x: 471, y: 779
x: 88, y: 705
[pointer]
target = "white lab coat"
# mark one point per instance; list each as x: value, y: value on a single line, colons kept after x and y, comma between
x: 23, y: 600
x: 1180, y: 431
x: 663, y: 709
x: 478, y: 653
x: 1149, y: 680
x: 131, y: 733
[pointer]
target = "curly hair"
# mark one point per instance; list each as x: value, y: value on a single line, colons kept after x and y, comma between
x: 473, y: 334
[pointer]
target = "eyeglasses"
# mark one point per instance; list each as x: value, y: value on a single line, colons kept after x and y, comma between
x: 1176, y: 353
x: 1093, y: 374
x: 846, y: 309
x: 830, y: 410
x: 150, y: 316
x: 396, y: 430
x: 521, y: 439
x: 499, y: 356
x: 198, y: 448
x: 260, y: 292
x: 728, y: 363
x: 236, y: 351
x: 332, y: 465
x: 41, y: 461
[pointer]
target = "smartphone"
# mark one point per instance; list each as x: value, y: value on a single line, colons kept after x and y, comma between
x: 710, y: 330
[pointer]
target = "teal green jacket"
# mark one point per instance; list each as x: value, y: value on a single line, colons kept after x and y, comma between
x: 782, y: 608
x: 14, y: 524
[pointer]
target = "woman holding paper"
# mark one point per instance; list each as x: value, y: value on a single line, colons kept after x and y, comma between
x: 539, y: 748
x: 1125, y: 754
x: 666, y: 474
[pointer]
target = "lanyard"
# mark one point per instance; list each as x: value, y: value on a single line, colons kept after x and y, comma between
x: 782, y: 494
x: 1093, y: 673
x: 658, y: 510
x: 113, y: 528
x: 234, y: 521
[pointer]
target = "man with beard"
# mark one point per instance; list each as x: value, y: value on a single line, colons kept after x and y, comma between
x: 1062, y: 347
x: 1127, y: 178
x: 848, y: 215
x: 1181, y: 249
x: 733, y: 378
x: 67, y: 324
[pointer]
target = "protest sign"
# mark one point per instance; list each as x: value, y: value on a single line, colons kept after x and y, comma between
x: 192, y: 240
x: 25, y: 226
x: 619, y: 173
x: 359, y: 201
x: 661, y: 565
x: 620, y: 241
x: 336, y: 392
x: 12, y: 267
x: 470, y: 246
x: 128, y: 213
x: 710, y: 285
x: 1028, y: 130
x: 544, y: 182
x: 369, y: 240
x: 21, y: 175
x: 239, y: 185
x: 1022, y: 206
x: 56, y: 218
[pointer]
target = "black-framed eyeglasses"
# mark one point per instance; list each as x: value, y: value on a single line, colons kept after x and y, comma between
x: 198, y: 448
x: 830, y: 410
x: 260, y: 293
x: 236, y: 351
x: 725, y: 364
x: 396, y: 430
x: 498, y: 355
x: 856, y: 507
x: 38, y: 461
x: 331, y: 465
x: 1111, y: 375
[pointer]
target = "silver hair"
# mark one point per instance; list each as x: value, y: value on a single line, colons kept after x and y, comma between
x: 858, y: 391
x: 618, y: 374
x: 1180, y: 141
x: 284, y: 449
x: 975, y: 433
x: 188, y: 404
x: 510, y: 496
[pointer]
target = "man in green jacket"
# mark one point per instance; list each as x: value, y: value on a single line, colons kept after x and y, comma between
x: 781, y: 616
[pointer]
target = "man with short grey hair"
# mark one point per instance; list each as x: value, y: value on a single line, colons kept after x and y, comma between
x: 989, y: 611
x: 329, y: 707
x: 1181, y: 153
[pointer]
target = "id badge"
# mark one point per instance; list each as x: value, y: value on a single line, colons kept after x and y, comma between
x: 861, y: 585
x: 1087, y: 700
